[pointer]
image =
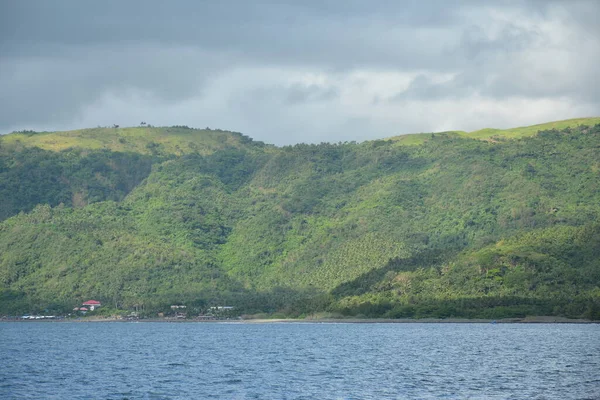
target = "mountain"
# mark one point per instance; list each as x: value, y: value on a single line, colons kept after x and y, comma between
x: 495, y: 223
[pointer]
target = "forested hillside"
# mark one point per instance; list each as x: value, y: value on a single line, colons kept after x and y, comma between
x: 494, y: 226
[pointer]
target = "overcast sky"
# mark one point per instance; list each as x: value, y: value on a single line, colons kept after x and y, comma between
x: 298, y: 71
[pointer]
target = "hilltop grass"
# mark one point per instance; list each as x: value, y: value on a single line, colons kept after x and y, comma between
x: 413, y: 139
x: 143, y: 140
x: 181, y: 140
x: 532, y: 130
x: 491, y: 133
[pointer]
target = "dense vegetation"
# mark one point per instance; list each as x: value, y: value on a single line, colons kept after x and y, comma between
x: 454, y: 226
x: 75, y: 178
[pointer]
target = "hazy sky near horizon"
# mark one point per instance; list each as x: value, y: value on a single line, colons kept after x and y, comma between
x: 298, y: 71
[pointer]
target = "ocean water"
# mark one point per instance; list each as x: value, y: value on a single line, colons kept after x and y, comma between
x: 298, y: 361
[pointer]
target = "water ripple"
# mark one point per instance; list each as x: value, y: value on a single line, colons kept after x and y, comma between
x: 298, y: 361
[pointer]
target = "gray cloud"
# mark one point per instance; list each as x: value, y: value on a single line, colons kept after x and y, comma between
x: 294, y: 94
x: 424, y: 88
x: 54, y: 87
x: 309, y: 33
x: 276, y: 70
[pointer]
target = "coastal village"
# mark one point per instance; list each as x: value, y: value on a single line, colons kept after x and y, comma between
x: 89, y: 309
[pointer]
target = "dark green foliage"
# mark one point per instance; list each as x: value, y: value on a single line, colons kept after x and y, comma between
x: 454, y: 227
x: 32, y: 176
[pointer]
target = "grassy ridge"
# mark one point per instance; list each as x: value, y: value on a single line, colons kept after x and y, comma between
x: 490, y: 133
x: 532, y: 130
x: 180, y: 140
x: 143, y: 140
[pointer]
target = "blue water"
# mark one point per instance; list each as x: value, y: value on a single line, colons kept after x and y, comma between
x: 298, y: 361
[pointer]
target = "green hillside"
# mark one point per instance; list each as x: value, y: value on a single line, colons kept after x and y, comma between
x: 452, y: 227
x: 76, y: 168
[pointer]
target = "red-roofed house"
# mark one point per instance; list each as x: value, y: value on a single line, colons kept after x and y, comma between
x: 92, y: 304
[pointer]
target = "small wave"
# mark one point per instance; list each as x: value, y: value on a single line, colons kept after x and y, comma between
x: 231, y: 381
x: 177, y: 365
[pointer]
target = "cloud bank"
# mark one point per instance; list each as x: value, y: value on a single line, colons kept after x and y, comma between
x: 289, y: 72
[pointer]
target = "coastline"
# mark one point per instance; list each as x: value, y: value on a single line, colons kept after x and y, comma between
x: 526, y: 320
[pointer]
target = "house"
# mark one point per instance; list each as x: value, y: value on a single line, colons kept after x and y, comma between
x: 92, y: 304
x: 222, y: 308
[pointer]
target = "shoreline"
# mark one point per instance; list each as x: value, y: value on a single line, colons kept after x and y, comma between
x: 526, y: 320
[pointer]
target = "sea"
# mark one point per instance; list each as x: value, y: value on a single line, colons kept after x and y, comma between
x: 145, y: 360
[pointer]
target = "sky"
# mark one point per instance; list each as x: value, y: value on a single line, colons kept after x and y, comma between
x: 286, y: 72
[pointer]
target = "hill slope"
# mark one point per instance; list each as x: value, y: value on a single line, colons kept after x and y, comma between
x: 76, y: 168
x: 451, y: 227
